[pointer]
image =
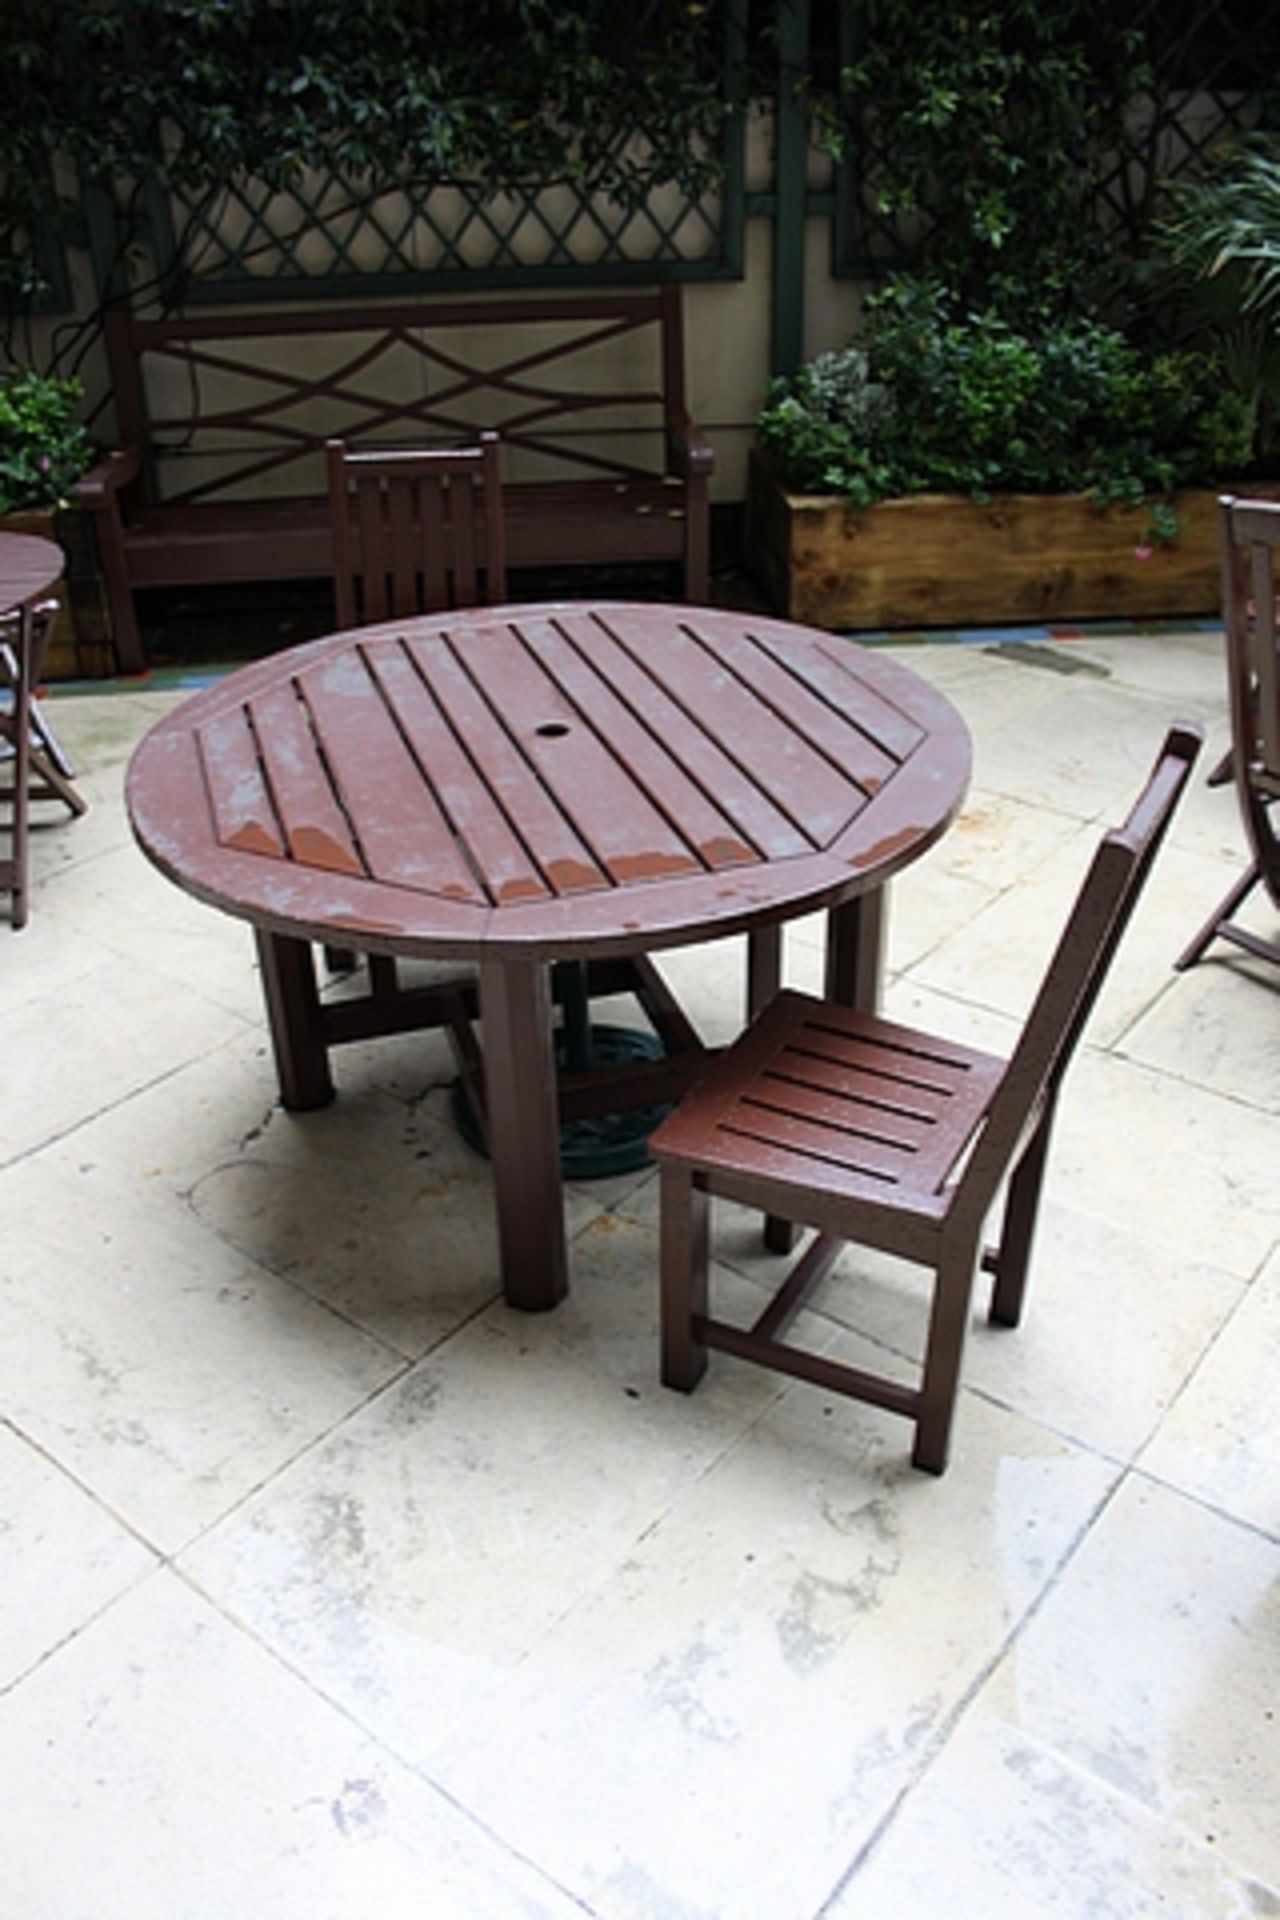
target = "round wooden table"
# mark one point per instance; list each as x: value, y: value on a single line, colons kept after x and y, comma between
x: 30, y: 567
x: 522, y: 785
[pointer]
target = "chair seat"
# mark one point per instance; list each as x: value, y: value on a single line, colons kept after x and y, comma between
x: 828, y: 1100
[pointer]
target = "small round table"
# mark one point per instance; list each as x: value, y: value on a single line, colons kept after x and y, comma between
x: 518, y: 786
x: 30, y: 567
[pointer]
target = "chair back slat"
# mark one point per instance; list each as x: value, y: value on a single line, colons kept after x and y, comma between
x: 1257, y: 637
x: 416, y: 531
x: 1080, y: 963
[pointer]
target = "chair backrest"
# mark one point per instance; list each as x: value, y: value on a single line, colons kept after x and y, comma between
x: 1075, y: 975
x: 415, y: 531
x: 1250, y: 535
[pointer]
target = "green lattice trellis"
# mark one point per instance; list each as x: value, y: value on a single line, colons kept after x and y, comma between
x: 324, y: 238
x: 1216, y: 69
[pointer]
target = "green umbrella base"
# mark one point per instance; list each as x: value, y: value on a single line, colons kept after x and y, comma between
x: 591, y: 1149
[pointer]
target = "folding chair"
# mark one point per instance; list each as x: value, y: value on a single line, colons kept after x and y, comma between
x: 40, y: 768
x: 1250, y: 536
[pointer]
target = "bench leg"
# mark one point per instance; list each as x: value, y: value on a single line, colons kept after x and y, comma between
x: 127, y: 640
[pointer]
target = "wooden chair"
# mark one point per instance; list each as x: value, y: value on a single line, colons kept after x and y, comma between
x: 1250, y: 536
x: 40, y: 770
x: 415, y: 531
x: 873, y: 1132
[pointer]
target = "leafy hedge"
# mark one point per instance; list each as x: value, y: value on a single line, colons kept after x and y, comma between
x: 937, y: 398
x: 43, y: 447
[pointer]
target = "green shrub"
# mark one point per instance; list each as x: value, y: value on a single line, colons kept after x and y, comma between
x: 939, y: 399
x: 43, y: 447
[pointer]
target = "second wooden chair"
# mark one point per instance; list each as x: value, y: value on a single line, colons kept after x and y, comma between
x: 1250, y: 531
x: 895, y: 1138
x: 416, y: 530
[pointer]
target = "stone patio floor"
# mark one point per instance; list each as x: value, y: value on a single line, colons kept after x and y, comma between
x: 332, y: 1587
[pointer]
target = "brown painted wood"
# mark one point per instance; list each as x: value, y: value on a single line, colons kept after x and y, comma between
x: 1249, y: 539
x: 415, y: 530
x: 29, y: 567
x: 398, y: 374
x: 619, y: 852
x: 522, y: 1125
x: 520, y: 785
x: 878, y: 1133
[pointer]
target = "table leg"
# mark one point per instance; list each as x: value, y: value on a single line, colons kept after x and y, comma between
x: 764, y: 978
x: 855, y: 950
x: 764, y: 967
x: 293, y: 1012
x: 523, y: 1126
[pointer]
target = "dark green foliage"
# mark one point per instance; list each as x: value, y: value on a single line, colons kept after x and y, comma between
x: 982, y: 133
x: 43, y: 447
x: 206, y: 92
x: 1220, y: 242
x: 939, y: 399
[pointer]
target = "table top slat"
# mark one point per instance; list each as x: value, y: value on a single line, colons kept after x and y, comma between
x: 500, y: 857
x: 697, y: 754
x: 709, y: 832
x: 816, y: 698
x: 589, y: 780
x: 834, y: 673
x: 561, y: 856
x: 817, y: 796
x: 403, y: 835
x: 243, y: 816
x: 315, y: 825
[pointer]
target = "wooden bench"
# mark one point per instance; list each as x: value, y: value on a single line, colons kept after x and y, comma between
x: 222, y: 420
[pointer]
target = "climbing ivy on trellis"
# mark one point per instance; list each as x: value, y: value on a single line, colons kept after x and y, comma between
x: 184, y: 101
x: 1029, y: 146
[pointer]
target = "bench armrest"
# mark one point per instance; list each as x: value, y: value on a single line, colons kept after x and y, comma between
x: 95, y: 488
x: 688, y: 449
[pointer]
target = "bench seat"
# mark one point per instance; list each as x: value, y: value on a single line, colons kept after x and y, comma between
x: 564, y: 523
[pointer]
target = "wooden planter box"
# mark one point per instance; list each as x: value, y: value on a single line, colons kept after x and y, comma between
x: 941, y: 560
x: 82, y: 645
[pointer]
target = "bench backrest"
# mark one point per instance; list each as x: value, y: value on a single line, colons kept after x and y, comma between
x: 240, y: 405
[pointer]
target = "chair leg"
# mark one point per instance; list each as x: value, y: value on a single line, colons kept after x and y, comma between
x: 685, y: 1256
x: 948, y: 1325
x: 57, y: 786
x: 48, y: 742
x: 1010, y: 1259
x: 1209, y: 931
